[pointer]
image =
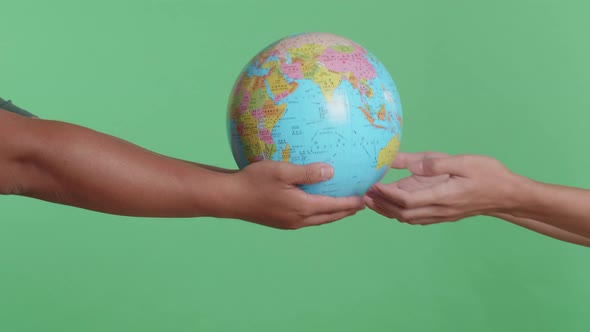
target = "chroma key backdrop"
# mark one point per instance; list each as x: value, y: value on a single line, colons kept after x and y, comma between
x: 505, y: 78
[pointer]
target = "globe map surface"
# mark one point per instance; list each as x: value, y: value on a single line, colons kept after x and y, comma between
x: 317, y: 97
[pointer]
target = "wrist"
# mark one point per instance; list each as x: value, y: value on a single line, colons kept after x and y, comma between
x: 220, y: 200
x: 519, y: 194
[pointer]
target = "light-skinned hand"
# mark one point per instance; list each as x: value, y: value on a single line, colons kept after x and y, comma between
x: 444, y: 188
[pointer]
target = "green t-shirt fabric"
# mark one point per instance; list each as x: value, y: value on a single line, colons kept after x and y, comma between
x: 7, y: 105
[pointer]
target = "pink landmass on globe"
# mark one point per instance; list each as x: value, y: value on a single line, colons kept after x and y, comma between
x: 245, y: 101
x: 258, y: 113
x: 355, y: 62
x: 265, y: 135
x: 292, y: 71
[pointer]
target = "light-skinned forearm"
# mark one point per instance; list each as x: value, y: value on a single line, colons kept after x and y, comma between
x: 80, y: 167
x: 543, y: 228
x: 561, y: 207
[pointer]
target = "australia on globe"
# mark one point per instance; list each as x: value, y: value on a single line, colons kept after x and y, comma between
x: 317, y: 97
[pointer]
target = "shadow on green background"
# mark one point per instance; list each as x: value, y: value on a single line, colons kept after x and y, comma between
x: 503, y: 78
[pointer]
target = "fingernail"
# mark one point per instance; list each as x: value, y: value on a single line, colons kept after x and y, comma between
x: 326, y: 172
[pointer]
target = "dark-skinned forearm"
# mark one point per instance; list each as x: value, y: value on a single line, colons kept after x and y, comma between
x: 80, y: 167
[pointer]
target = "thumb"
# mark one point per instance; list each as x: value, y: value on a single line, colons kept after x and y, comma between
x: 455, y: 165
x: 309, y: 174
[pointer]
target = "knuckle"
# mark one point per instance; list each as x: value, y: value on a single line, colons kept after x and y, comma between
x: 281, y: 174
x: 406, y: 202
x: 308, y: 177
x: 467, y: 157
x: 432, y: 165
x: 403, y: 216
x: 388, y: 214
x: 487, y: 159
x: 293, y: 225
x: 496, y: 163
x: 305, y: 210
x: 428, y: 164
x: 448, y: 218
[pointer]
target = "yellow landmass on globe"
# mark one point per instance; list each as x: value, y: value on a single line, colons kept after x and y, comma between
x: 272, y: 113
x: 249, y: 136
x: 257, y: 99
x: 387, y: 154
x: 309, y: 69
x: 253, y: 83
x: 279, y: 85
x: 257, y: 140
x: 286, y: 153
x: 257, y: 83
x: 327, y: 80
x: 307, y: 52
x: 271, y: 64
x: 343, y: 48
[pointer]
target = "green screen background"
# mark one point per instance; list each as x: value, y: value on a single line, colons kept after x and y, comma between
x: 503, y: 78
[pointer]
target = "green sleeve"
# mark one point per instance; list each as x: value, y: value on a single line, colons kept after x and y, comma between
x: 7, y: 105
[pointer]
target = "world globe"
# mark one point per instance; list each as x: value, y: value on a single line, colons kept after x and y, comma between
x: 317, y: 97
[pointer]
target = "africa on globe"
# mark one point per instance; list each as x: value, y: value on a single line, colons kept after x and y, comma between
x: 317, y: 97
